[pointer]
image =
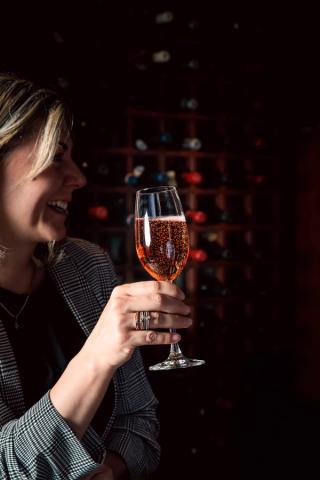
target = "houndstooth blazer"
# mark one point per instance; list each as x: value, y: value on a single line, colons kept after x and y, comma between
x: 38, y: 443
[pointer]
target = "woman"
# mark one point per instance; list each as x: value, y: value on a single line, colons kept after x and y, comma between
x: 74, y: 399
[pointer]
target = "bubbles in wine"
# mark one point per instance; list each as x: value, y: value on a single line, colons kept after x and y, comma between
x: 162, y: 245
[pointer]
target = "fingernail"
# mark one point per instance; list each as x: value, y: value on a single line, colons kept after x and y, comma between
x: 176, y: 337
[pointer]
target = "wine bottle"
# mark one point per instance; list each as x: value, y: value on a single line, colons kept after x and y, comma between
x: 98, y: 212
x: 215, y: 178
x: 160, y: 177
x: 198, y: 255
x: 229, y: 175
x: 219, y: 215
x: 133, y: 178
x: 107, y: 172
x: 259, y: 143
x: 257, y: 180
x: 130, y: 219
x: 209, y: 285
x: 189, y: 104
x: 191, y: 63
x: 191, y: 143
x: 165, y: 139
x: 141, y: 145
x: 209, y: 242
x: 145, y: 60
x: 192, y: 178
x: 161, y: 56
x: 196, y: 216
x: 138, y: 170
x: 138, y: 59
x: 112, y: 208
x: 102, y: 169
x: 164, y: 17
x: 171, y: 178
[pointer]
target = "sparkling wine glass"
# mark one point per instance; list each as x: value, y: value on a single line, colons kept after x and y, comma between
x: 162, y: 245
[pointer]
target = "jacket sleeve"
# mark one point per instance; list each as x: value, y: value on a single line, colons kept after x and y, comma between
x: 135, y: 429
x: 40, y: 445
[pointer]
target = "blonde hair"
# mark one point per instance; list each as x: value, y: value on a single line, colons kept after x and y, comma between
x: 27, y: 109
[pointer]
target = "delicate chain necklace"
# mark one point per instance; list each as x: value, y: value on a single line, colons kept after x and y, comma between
x: 16, y: 316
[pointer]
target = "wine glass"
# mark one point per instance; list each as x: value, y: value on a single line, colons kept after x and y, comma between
x: 162, y: 245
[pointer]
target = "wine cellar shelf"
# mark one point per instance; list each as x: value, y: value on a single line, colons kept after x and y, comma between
x: 231, y: 199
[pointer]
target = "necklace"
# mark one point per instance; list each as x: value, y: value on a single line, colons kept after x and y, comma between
x: 16, y: 316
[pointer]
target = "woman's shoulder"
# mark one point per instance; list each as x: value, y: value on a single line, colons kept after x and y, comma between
x: 79, y: 245
x: 91, y: 259
x: 85, y: 253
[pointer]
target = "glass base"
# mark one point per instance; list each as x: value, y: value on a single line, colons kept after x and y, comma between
x: 177, y: 361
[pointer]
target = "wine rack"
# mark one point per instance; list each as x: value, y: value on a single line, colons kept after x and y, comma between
x: 231, y: 278
x: 203, y: 126
x: 182, y: 88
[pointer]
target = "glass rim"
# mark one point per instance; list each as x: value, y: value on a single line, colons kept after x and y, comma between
x: 159, y: 189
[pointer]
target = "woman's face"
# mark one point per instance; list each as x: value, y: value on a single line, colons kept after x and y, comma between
x: 35, y: 210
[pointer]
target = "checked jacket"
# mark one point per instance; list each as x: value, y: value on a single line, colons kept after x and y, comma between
x: 38, y: 443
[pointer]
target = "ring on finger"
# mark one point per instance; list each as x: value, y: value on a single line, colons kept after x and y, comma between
x: 142, y: 320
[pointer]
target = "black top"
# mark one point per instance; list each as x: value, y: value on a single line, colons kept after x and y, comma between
x: 46, y: 339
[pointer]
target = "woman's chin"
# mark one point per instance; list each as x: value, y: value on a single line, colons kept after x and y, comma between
x: 54, y: 234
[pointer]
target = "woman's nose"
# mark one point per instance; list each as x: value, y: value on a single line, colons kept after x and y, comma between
x: 75, y: 177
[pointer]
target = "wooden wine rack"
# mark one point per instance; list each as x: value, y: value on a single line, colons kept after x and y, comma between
x: 227, y: 327
x: 236, y: 302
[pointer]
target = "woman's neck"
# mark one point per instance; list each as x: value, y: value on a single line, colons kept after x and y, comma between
x: 17, y: 272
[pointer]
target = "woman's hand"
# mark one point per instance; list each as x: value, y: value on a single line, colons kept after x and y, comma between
x: 79, y: 391
x: 114, y: 338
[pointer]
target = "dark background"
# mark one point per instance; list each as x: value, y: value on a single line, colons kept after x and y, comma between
x: 87, y: 50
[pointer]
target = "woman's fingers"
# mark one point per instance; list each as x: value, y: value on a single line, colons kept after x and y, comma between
x: 156, y: 302
x: 115, y: 336
x: 152, y: 337
x: 160, y: 321
x: 149, y: 288
x: 167, y: 320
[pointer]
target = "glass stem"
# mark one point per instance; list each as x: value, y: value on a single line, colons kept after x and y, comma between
x: 174, y: 347
x: 175, y: 350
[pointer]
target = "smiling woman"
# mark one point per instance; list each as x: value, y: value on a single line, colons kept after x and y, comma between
x: 74, y: 398
x: 34, y: 136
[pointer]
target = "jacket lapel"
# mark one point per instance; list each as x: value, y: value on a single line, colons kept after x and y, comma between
x: 10, y: 383
x: 78, y: 291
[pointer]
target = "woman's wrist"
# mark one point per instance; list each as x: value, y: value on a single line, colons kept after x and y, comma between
x: 94, y: 365
x: 79, y: 391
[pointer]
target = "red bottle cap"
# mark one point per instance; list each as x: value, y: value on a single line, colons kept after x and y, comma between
x: 193, y: 178
x: 99, y: 212
x: 196, y: 216
x: 198, y: 255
